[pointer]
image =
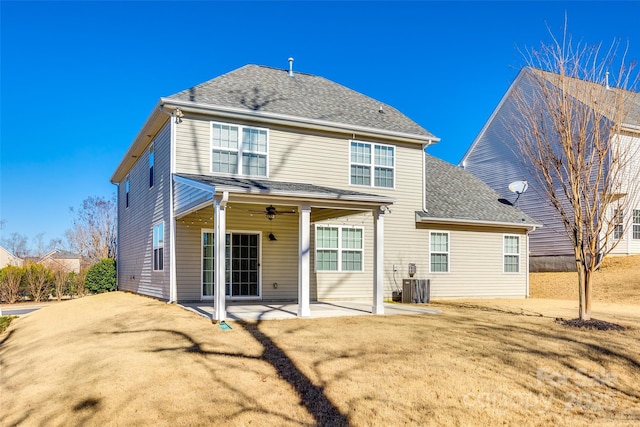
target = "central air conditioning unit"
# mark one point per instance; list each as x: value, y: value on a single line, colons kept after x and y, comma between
x: 417, y: 291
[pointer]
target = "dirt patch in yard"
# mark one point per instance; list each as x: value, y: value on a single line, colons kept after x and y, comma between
x: 122, y: 359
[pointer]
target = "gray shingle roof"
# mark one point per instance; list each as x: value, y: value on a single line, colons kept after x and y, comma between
x: 259, y: 185
x: 270, y: 90
x: 454, y: 193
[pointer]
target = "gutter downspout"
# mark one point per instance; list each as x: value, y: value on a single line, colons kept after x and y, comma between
x: 117, y: 235
x: 528, y: 263
x: 424, y: 175
x: 173, y: 288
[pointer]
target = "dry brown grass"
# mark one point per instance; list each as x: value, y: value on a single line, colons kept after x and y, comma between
x: 617, y: 281
x: 121, y: 359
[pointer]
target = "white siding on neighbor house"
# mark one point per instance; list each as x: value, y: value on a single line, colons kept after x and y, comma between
x: 147, y: 207
x: 476, y: 264
x: 631, y: 146
x: 493, y: 159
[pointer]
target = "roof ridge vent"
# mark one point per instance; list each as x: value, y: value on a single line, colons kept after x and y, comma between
x: 290, y: 67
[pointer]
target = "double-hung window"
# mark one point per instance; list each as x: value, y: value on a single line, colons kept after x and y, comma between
x: 618, y: 230
x: 372, y: 165
x: 511, y: 254
x: 158, y: 247
x: 636, y: 224
x: 439, y: 251
x: 239, y: 150
x: 339, y: 248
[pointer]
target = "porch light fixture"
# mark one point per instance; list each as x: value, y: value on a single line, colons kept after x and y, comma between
x: 179, y: 116
x: 271, y: 213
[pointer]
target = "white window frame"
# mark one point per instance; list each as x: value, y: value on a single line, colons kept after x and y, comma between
x: 636, y: 224
x: 229, y: 260
x: 618, y: 227
x: 240, y: 151
x: 157, y: 261
x: 505, y: 253
x: 447, y: 252
x: 372, y: 165
x: 340, y: 249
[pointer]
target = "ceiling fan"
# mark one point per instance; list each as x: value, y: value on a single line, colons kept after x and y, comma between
x: 271, y: 212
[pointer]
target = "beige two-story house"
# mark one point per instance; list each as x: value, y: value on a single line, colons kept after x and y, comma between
x: 269, y: 184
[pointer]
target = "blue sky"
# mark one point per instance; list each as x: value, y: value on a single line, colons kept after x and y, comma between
x: 78, y: 79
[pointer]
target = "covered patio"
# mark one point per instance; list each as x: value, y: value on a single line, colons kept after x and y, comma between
x: 289, y: 310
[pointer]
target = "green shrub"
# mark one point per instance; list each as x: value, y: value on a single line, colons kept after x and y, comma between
x: 10, y: 283
x: 101, y: 277
x: 5, y: 321
x: 38, y: 280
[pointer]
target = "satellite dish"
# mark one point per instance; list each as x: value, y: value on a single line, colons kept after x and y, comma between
x: 518, y: 187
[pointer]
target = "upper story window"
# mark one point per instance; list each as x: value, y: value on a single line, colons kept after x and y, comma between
x: 239, y: 150
x: 158, y: 247
x: 339, y: 248
x: 439, y: 251
x: 636, y: 224
x: 151, y: 163
x: 372, y: 165
x: 127, y: 187
x: 511, y: 254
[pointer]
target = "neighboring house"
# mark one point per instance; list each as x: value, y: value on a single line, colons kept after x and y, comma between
x: 7, y: 258
x: 265, y: 184
x: 492, y: 157
x: 60, y: 259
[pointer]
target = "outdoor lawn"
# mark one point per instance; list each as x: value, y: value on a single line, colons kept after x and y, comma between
x: 122, y: 359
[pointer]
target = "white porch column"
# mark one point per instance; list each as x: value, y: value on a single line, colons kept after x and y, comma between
x: 378, y: 262
x: 303, y: 261
x: 220, y: 245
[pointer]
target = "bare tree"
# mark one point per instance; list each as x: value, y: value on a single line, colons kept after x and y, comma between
x: 60, y: 281
x: 575, y: 124
x: 93, y: 235
x: 16, y: 243
x: 38, y: 241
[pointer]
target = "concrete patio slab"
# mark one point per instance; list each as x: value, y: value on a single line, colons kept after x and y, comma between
x: 288, y: 310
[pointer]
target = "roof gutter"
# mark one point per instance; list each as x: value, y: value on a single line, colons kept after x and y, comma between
x: 288, y: 120
x: 455, y: 221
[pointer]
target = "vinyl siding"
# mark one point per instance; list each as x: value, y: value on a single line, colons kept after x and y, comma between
x: 492, y: 158
x: 476, y: 268
x: 320, y: 159
x: 628, y: 245
x: 147, y: 207
x: 279, y: 259
x: 323, y: 159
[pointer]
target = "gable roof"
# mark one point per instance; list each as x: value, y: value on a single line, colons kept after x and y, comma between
x: 454, y: 195
x: 581, y: 89
x: 261, y: 89
x: 271, y: 96
x: 59, y: 254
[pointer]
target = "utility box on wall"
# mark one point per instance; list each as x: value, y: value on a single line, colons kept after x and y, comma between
x: 416, y: 291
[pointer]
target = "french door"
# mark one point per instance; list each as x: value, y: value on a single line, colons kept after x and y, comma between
x: 242, y: 265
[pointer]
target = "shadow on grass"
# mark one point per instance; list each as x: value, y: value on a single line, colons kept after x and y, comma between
x: 312, y: 397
